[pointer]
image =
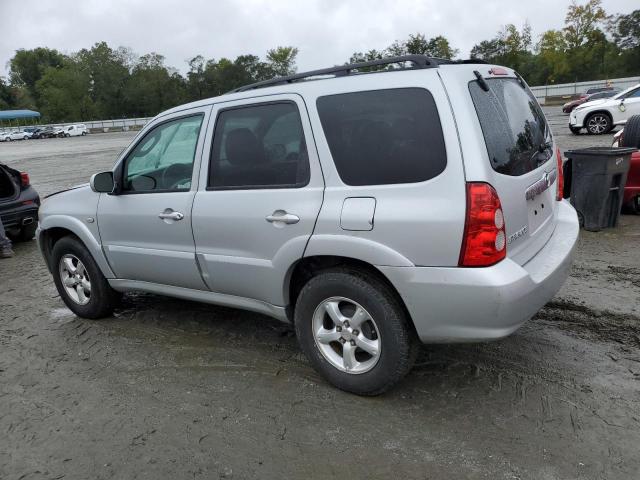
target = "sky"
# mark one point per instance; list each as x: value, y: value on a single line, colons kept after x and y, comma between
x: 327, y: 32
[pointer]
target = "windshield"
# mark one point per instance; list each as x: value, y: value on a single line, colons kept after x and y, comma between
x: 513, y: 125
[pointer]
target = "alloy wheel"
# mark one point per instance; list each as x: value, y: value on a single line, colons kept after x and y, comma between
x: 598, y: 124
x: 346, y: 335
x: 75, y: 279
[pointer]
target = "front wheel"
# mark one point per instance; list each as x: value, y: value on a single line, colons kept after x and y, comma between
x: 80, y: 282
x: 598, y: 124
x: 575, y: 130
x: 354, y: 331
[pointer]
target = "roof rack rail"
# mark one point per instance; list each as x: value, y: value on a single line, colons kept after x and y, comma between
x: 419, y: 61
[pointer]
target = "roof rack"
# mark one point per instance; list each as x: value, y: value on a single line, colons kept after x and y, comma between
x: 419, y: 62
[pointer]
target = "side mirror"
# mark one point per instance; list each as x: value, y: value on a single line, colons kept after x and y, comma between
x: 102, y: 182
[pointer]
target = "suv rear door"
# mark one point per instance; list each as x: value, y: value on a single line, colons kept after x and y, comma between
x: 507, y: 142
x: 259, y: 196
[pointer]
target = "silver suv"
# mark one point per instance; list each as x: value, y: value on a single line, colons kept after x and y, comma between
x: 372, y: 209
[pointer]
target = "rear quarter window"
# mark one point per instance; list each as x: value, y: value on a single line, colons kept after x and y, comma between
x: 384, y: 136
x: 513, y: 125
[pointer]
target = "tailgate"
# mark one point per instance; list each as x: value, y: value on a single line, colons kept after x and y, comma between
x: 522, y: 163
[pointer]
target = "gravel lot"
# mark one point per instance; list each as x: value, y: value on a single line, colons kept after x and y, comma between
x: 173, y: 389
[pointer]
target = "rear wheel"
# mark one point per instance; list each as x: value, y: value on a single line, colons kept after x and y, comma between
x: 598, y: 123
x: 575, y: 130
x: 80, y: 282
x: 354, y: 331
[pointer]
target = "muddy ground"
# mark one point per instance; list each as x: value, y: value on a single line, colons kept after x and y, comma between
x: 173, y: 389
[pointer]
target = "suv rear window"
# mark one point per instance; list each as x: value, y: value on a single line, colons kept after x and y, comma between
x: 514, y: 128
x: 384, y: 136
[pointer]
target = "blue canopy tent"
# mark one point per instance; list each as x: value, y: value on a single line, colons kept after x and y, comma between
x: 17, y: 115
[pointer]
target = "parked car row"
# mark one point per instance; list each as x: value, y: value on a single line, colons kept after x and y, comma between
x: 43, y: 132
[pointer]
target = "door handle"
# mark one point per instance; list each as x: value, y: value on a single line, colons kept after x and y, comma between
x: 283, y: 217
x: 171, y: 215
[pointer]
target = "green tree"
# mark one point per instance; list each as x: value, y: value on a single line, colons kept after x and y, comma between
x: 108, y: 75
x: 6, y: 97
x: 582, y: 21
x: 152, y: 87
x: 64, y: 93
x: 282, y: 61
x: 552, y: 66
x: 625, y: 30
x: 28, y: 66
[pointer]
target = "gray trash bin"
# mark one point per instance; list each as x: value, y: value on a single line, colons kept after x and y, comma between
x: 598, y: 176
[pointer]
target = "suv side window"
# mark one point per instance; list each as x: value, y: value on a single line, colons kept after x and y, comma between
x: 163, y: 159
x: 259, y: 146
x: 384, y: 136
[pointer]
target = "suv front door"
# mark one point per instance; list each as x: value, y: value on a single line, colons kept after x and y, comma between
x: 146, y: 226
x: 259, y: 198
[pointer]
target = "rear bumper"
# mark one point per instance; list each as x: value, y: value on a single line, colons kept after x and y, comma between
x: 475, y: 304
x: 19, y: 216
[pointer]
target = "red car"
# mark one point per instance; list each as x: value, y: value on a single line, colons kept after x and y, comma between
x: 587, y: 97
x: 630, y: 137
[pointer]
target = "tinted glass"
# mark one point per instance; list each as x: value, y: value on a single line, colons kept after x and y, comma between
x: 514, y: 128
x: 384, y: 136
x: 260, y: 146
x: 163, y: 159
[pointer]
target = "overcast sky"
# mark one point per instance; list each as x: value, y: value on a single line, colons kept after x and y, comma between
x: 325, y: 31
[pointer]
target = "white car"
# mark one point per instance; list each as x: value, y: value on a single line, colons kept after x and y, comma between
x: 74, y: 130
x: 600, y: 116
x: 15, y: 135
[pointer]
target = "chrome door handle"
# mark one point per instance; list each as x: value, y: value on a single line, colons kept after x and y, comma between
x: 171, y: 216
x: 282, y: 216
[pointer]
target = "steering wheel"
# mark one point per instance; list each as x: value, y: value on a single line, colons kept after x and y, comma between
x: 176, y: 174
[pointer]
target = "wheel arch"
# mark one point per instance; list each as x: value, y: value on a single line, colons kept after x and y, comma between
x: 595, y: 112
x: 307, y: 267
x: 55, y: 227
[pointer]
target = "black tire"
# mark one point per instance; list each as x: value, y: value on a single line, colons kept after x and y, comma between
x: 598, y: 123
x: 84, y: 133
x: 575, y: 130
x: 398, y: 342
x: 631, y: 134
x: 103, y: 299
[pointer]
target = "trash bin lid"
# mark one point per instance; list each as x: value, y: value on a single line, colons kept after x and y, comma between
x: 601, y: 151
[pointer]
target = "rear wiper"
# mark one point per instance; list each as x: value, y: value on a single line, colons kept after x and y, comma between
x: 481, y: 81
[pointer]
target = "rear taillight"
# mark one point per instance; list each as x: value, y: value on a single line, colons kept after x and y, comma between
x: 24, y: 179
x: 560, y: 180
x: 484, y: 242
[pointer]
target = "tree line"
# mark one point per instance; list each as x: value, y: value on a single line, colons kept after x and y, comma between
x: 107, y: 83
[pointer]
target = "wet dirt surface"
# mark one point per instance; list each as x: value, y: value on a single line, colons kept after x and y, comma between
x: 174, y: 389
